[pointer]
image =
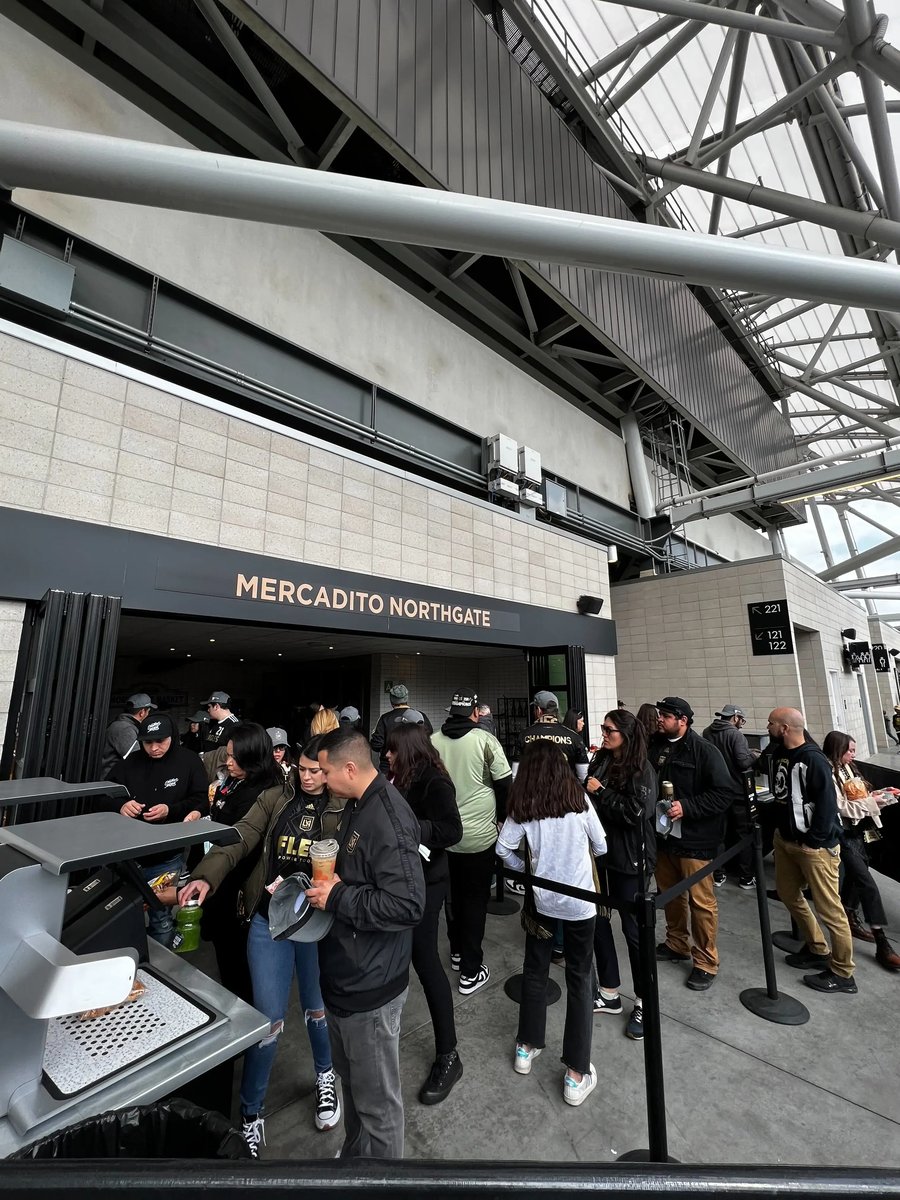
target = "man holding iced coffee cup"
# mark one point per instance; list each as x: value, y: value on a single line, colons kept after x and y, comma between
x: 375, y: 896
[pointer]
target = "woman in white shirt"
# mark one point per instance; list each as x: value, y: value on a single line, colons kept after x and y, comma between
x: 549, y: 810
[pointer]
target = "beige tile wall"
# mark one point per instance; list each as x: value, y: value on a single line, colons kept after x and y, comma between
x: 688, y: 635
x: 90, y: 444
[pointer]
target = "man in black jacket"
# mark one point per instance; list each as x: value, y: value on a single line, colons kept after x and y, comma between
x: 399, y: 698
x: 703, y: 792
x: 166, y: 784
x: 808, y: 852
x: 377, y: 896
x: 121, y: 736
x: 725, y: 734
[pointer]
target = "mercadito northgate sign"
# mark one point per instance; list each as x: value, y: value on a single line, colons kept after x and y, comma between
x: 307, y: 595
x: 158, y: 575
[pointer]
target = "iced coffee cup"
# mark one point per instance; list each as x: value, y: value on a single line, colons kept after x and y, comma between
x: 322, y: 855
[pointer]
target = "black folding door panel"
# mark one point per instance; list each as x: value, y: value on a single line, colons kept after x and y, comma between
x: 59, y: 716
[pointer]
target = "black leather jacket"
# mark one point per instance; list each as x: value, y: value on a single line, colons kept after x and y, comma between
x: 627, y: 813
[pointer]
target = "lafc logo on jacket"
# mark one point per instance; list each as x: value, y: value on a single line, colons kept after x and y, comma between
x: 352, y: 842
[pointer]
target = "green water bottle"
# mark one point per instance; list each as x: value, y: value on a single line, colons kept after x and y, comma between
x: 187, y: 927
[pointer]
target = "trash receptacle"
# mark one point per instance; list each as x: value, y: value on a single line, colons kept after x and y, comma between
x: 170, y: 1129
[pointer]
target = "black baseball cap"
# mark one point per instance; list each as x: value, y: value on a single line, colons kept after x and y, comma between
x: 156, y: 728
x: 675, y: 705
x: 462, y: 702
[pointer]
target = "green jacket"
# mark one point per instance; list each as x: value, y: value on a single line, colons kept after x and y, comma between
x: 255, y: 830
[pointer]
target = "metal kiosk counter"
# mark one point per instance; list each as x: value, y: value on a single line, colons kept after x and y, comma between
x: 57, y: 1068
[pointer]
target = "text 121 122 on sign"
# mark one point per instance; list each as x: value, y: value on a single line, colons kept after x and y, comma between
x: 770, y: 627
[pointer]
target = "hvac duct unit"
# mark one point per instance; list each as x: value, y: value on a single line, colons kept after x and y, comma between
x: 529, y: 478
x: 501, y: 455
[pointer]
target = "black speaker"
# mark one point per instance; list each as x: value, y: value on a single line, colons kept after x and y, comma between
x: 589, y: 605
x: 105, y: 913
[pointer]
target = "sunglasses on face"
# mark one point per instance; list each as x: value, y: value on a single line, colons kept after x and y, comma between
x: 609, y: 729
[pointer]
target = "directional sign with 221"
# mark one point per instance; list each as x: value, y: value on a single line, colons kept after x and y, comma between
x: 770, y: 627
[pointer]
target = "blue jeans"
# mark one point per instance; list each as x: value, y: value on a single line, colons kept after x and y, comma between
x: 272, y: 969
x: 160, y: 922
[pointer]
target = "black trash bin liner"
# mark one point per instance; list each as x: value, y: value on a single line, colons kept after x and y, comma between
x: 170, y: 1129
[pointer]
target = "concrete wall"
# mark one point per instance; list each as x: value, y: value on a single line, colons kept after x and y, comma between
x: 302, y: 287
x: 91, y: 442
x: 12, y: 613
x: 688, y: 635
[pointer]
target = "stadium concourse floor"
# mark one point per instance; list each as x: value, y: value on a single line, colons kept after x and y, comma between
x: 738, y: 1089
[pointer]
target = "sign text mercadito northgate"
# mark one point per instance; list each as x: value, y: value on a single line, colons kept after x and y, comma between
x: 287, y: 591
x: 770, y: 627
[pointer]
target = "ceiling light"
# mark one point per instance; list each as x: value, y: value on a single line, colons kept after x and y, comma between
x: 187, y: 656
x: 212, y: 639
x: 240, y: 660
x: 279, y: 654
x: 171, y: 647
x: 331, y: 647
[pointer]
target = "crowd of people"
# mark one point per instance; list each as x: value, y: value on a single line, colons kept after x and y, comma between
x: 421, y: 820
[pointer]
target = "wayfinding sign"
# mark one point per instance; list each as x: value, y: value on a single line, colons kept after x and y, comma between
x: 770, y: 627
x: 880, y: 658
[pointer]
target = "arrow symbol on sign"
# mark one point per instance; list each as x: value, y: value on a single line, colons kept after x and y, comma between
x: 758, y: 637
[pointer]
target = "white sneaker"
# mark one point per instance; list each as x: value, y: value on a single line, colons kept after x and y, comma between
x: 328, y: 1107
x: 471, y: 983
x: 524, y: 1058
x: 254, y: 1131
x: 577, y: 1093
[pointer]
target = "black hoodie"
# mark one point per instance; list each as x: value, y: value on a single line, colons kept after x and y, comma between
x: 177, y: 779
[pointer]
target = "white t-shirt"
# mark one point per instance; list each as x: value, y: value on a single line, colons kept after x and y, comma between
x: 561, y: 849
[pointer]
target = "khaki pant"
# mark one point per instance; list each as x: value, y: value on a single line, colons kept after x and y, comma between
x: 799, y: 866
x: 700, y: 900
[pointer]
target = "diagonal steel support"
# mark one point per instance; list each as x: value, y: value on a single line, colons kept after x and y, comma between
x: 191, y: 180
x: 859, y: 224
x: 641, y: 78
x: 260, y: 88
x: 875, y: 554
x: 843, y: 384
x: 710, y: 14
x: 624, y: 51
x: 823, y: 344
x: 839, y: 406
x: 814, y: 511
x: 522, y: 296
x: 337, y: 139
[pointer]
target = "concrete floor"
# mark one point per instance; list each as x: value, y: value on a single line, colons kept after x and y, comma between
x: 738, y: 1089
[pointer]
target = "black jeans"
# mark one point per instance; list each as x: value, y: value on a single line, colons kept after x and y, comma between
x: 618, y: 887
x: 578, y: 945
x: 857, y: 884
x: 430, y: 970
x: 470, y: 891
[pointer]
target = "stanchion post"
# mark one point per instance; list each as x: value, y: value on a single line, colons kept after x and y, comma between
x: 501, y: 905
x: 768, y: 1002
x: 654, y: 1074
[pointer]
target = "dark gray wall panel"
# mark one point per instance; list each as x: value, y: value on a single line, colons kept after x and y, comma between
x: 479, y: 125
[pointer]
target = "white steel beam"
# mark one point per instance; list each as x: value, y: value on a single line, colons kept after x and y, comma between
x: 692, y: 10
x: 191, y: 180
x: 875, y: 554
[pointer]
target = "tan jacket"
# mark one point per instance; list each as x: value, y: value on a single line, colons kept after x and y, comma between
x: 256, y: 829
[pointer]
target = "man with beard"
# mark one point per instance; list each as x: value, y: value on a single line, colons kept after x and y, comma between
x: 703, y: 792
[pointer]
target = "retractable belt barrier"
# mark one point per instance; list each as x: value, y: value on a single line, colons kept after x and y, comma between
x: 767, y: 1002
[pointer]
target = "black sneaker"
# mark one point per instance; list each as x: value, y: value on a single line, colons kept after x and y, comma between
x: 445, y: 1071
x: 471, y: 983
x: 607, y: 1007
x: 253, y: 1128
x: 699, y: 981
x: 719, y: 878
x: 748, y: 884
x: 665, y: 953
x: 827, y: 981
x: 328, y: 1106
x: 804, y: 959
x: 635, y: 1027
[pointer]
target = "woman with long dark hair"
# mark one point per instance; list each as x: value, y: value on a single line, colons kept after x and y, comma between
x: 647, y: 717
x: 860, y: 813
x: 421, y: 777
x: 250, y: 771
x: 276, y: 835
x: 622, y: 786
x: 547, y: 809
